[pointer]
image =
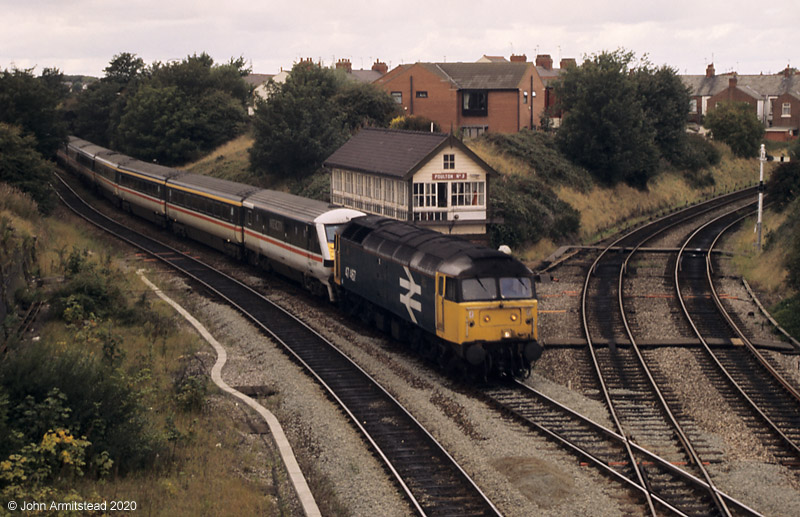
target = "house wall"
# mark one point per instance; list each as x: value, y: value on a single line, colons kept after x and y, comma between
x: 778, y: 119
x: 507, y: 111
x: 732, y: 94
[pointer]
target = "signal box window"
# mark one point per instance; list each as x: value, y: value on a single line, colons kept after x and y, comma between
x: 449, y: 161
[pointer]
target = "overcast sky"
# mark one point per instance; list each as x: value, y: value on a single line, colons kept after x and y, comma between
x: 82, y: 36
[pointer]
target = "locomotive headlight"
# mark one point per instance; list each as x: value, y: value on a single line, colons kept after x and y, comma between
x: 506, y: 334
x: 486, y: 319
x: 513, y: 317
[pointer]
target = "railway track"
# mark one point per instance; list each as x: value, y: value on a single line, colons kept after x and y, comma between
x: 753, y: 386
x: 633, y: 398
x: 432, y: 481
x: 600, y: 447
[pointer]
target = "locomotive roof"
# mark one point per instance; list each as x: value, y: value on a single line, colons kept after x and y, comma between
x: 429, y: 251
x: 152, y: 170
x: 215, y: 187
x: 288, y: 205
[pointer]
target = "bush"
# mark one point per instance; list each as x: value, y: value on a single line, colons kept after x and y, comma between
x: 784, y: 184
x: 736, y: 124
x: 787, y: 314
x: 697, y: 153
x: 531, y: 211
x: 414, y: 123
x: 539, y: 150
x: 51, y: 387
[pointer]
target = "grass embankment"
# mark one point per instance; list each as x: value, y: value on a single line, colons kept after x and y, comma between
x: 112, y: 402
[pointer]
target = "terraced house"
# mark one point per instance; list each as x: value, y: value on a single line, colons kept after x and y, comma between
x: 775, y: 99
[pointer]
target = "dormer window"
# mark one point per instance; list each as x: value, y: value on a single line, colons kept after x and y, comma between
x: 449, y: 161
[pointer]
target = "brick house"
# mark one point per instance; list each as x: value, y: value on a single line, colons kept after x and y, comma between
x: 775, y: 99
x: 470, y: 98
x: 432, y: 179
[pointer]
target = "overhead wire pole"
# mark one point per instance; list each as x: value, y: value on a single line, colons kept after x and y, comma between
x: 761, y: 160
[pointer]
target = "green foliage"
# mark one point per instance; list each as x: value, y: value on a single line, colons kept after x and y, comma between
x: 697, y: 153
x: 538, y: 149
x: 171, y: 113
x: 530, y: 210
x: 664, y: 99
x: 736, y: 124
x: 28, y: 474
x: 306, y: 118
x: 23, y: 167
x: 51, y: 386
x: 414, y: 123
x: 784, y: 184
x: 605, y: 127
x: 365, y: 105
x: 787, y: 314
x: 32, y: 104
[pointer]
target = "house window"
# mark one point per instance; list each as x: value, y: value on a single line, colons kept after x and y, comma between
x: 422, y: 95
x: 449, y: 161
x: 524, y: 97
x: 475, y: 103
x: 398, y: 97
x: 787, y: 110
x: 467, y: 193
x: 693, y: 106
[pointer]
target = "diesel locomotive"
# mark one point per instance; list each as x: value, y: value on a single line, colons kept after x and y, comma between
x: 465, y: 306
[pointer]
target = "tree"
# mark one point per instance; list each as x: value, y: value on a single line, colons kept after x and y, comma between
x: 605, y: 126
x: 783, y: 186
x: 170, y: 112
x: 33, y: 104
x: 154, y: 126
x: 22, y: 166
x: 736, y: 124
x: 306, y: 118
x: 665, y: 99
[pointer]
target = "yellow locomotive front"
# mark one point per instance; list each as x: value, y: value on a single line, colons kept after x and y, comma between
x: 492, y: 318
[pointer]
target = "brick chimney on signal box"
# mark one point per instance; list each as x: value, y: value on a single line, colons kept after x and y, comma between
x: 518, y: 59
x: 545, y: 61
x: 344, y: 64
x: 710, y: 70
x: 380, y: 67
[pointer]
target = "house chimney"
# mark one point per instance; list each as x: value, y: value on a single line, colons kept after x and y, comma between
x: 788, y: 72
x: 545, y: 61
x: 710, y: 70
x: 568, y: 62
x: 732, y: 82
x: 380, y: 67
x: 344, y: 64
x: 518, y: 59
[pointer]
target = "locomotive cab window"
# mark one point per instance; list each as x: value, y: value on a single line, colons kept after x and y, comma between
x: 514, y: 288
x: 478, y: 289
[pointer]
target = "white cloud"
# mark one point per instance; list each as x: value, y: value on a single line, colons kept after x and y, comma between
x: 82, y: 36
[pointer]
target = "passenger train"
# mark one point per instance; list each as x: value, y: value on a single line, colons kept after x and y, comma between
x: 468, y: 307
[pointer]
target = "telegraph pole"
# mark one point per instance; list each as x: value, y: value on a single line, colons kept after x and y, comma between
x: 761, y: 159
